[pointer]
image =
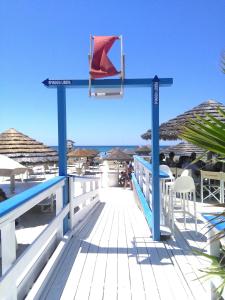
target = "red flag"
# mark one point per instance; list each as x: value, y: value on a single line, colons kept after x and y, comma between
x: 101, y: 65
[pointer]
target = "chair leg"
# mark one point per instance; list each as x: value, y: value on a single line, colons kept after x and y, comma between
x: 171, y: 210
x: 183, y: 197
x: 195, y: 216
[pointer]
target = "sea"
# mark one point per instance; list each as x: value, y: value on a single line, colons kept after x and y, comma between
x: 103, y: 149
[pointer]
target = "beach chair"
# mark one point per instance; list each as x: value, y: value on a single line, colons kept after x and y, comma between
x: 100, y: 66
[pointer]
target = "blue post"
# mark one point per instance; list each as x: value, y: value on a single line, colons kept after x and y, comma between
x: 155, y: 160
x: 62, y: 144
x: 61, y: 98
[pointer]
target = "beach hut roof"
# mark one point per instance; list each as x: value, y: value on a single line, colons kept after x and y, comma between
x: 170, y: 130
x: 183, y: 148
x: 24, y: 149
x: 83, y: 153
x: 143, y: 149
x: 129, y: 151
x: 119, y: 155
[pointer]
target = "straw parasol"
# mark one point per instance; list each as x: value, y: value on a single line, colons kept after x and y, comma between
x: 183, y: 148
x: 78, y: 153
x: 118, y: 155
x: 144, y: 150
x: 24, y: 149
x: 170, y: 130
x: 129, y: 151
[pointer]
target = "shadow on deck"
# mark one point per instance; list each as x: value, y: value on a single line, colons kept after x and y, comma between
x: 113, y: 257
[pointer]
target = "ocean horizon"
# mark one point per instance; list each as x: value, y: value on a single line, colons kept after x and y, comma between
x: 104, y: 148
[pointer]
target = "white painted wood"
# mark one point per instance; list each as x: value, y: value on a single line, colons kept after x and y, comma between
x: 39, y: 284
x: 72, y: 286
x: 59, y: 207
x: 114, y: 257
x: 71, y: 196
x: 82, y: 199
x: 25, y: 261
x: 111, y: 268
x: 11, y: 216
x: 8, y: 246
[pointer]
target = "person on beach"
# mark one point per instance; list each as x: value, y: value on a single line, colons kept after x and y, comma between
x: 162, y: 159
x: 129, y: 170
x: 170, y: 160
x: 3, y: 196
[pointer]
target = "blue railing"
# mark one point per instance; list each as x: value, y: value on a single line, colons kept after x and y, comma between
x: 142, y: 181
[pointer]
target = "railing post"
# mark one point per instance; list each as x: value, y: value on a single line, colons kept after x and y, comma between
x: 61, y: 101
x: 155, y: 160
x: 96, y: 184
x: 8, y: 246
x: 92, y: 185
x: 84, y: 187
x: 147, y: 184
x: 141, y: 169
x: 71, y: 196
x: 59, y: 206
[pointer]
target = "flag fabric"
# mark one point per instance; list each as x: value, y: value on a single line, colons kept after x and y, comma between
x: 101, y: 66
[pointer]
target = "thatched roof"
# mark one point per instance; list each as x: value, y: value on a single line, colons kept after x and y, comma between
x: 118, y: 155
x: 83, y: 153
x: 183, y: 148
x: 129, y: 151
x: 24, y: 149
x: 144, y: 150
x: 171, y: 129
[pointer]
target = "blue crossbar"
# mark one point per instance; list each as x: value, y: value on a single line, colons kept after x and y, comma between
x: 107, y: 83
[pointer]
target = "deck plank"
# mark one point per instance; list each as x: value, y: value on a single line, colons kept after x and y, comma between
x: 84, y: 264
x: 114, y: 257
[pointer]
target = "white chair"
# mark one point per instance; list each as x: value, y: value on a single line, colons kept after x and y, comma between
x: 166, y: 183
x: 185, y: 172
x: 185, y: 186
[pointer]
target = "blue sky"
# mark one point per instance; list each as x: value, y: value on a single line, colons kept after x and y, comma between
x: 50, y: 39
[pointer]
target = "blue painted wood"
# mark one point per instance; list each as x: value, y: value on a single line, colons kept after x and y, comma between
x: 62, y: 147
x: 84, y: 83
x: 155, y: 160
x: 149, y: 166
x: 16, y: 201
x: 147, y: 210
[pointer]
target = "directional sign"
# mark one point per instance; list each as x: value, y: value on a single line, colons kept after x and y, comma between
x: 84, y: 83
x: 49, y: 82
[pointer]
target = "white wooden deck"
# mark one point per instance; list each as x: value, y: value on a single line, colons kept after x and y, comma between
x: 114, y: 257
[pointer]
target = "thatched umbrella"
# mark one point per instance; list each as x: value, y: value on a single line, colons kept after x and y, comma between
x: 144, y: 150
x: 78, y: 153
x: 183, y: 148
x: 24, y: 149
x: 118, y: 155
x: 129, y: 151
x: 170, y: 130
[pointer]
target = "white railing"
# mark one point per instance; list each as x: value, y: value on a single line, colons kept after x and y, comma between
x: 84, y: 194
x: 143, y: 188
x: 143, y: 174
x: 18, y: 274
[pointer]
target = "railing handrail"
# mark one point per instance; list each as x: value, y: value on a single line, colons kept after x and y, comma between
x: 17, y: 200
x: 84, y: 178
x: 148, y: 166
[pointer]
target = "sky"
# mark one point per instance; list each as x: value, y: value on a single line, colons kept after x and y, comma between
x: 43, y: 39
